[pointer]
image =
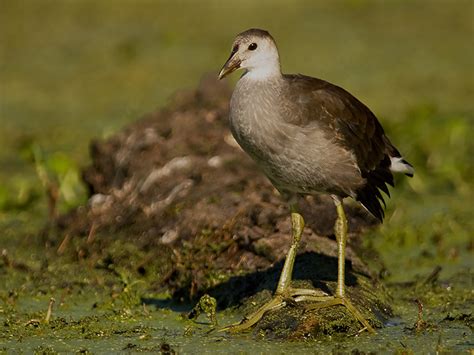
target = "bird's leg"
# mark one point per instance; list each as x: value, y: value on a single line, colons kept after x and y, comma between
x: 284, y: 283
x: 297, y: 227
x: 340, y: 230
x: 284, y: 292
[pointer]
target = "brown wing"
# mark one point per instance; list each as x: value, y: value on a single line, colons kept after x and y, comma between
x: 353, y: 126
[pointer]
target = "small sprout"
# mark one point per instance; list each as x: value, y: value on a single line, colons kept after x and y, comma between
x: 420, y: 324
x: 145, y: 309
x: 50, y: 310
x: 207, y: 305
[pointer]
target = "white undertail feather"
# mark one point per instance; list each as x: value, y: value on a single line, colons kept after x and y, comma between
x: 400, y: 165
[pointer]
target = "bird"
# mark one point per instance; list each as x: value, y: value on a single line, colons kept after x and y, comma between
x: 309, y: 137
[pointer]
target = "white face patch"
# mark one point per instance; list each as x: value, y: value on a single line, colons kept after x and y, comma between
x: 259, y: 56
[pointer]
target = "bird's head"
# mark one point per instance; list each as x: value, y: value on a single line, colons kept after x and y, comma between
x: 255, y: 51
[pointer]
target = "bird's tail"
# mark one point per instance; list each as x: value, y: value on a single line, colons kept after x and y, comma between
x: 370, y: 195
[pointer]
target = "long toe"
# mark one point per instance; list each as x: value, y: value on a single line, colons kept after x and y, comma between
x: 345, y: 302
x: 249, y: 321
x: 291, y: 295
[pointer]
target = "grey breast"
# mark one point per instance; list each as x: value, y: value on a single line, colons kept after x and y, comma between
x: 299, y: 159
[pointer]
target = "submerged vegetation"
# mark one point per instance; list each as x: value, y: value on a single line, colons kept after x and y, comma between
x: 88, y: 68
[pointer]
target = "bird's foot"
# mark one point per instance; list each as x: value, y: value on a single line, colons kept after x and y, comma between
x: 289, y: 296
x: 317, y: 299
x: 343, y: 301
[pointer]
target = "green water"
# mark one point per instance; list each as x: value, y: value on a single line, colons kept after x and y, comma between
x: 71, y: 71
x: 79, y: 324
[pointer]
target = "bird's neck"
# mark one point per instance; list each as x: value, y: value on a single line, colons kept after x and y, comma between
x: 269, y: 71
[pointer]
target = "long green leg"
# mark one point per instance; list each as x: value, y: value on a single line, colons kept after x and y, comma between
x: 284, y: 290
x: 297, y: 226
x: 340, y: 230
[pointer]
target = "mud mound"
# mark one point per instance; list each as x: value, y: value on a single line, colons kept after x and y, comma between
x: 175, y: 200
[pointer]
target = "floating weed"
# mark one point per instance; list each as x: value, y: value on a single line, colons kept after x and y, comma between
x: 206, y: 305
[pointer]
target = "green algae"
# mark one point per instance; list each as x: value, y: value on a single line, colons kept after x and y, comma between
x: 110, y: 331
x: 100, y: 319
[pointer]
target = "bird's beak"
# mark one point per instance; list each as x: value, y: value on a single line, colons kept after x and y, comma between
x: 229, y: 66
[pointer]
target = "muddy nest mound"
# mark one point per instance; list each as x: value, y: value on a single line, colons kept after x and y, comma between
x: 175, y: 201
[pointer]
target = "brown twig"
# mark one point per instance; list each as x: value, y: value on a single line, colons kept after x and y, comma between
x: 91, y: 235
x: 63, y: 245
x: 420, y: 323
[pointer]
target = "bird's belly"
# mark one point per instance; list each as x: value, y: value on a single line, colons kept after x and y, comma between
x: 296, y: 159
x: 286, y: 158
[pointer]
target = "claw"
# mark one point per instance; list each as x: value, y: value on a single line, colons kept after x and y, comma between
x: 334, y: 301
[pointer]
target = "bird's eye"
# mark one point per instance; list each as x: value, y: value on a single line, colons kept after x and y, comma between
x: 252, y: 46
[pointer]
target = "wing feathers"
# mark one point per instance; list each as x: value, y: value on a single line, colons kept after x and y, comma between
x: 356, y: 129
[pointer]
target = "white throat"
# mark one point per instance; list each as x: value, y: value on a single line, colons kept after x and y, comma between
x: 264, y: 70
